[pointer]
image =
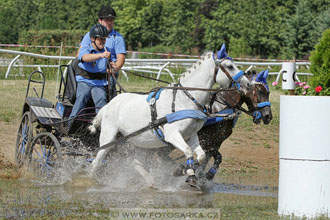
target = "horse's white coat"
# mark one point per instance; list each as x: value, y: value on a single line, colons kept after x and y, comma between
x: 129, y: 112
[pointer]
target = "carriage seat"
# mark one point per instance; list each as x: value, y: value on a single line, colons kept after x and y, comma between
x: 65, y: 103
x: 34, y: 101
x: 70, y: 83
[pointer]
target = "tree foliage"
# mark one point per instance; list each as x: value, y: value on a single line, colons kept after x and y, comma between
x: 266, y: 29
x: 8, y: 22
x: 320, y: 62
x: 304, y: 27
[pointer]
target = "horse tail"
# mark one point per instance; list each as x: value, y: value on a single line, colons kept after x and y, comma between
x: 96, y: 121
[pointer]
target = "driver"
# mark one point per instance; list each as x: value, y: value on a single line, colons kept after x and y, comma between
x: 91, y: 71
x: 115, y: 42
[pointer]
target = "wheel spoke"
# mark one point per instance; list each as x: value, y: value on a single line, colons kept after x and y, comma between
x: 51, y: 153
x: 45, y: 153
x: 47, y: 166
x: 24, y: 138
x: 37, y: 160
x: 25, y: 128
x: 44, y: 150
x: 22, y: 148
x: 50, y: 162
x: 37, y: 153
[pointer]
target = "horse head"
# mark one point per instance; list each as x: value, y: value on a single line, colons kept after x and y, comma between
x: 261, y: 90
x: 228, y: 75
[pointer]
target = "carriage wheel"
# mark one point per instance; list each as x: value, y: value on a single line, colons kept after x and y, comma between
x: 45, y: 154
x: 24, y: 138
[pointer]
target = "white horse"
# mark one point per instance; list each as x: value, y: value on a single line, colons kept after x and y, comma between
x: 129, y: 112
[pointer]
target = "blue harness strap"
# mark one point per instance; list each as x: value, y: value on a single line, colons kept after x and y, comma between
x: 263, y: 104
x: 152, y: 94
x: 236, y: 77
x: 180, y: 115
x: 184, y: 114
x: 159, y: 134
x: 215, y: 120
x: 257, y: 115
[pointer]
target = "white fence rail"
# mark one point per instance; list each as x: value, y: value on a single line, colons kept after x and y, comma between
x: 150, y: 66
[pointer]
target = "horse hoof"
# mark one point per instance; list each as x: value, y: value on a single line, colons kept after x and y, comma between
x: 192, y: 180
x: 179, y: 171
x: 209, y: 176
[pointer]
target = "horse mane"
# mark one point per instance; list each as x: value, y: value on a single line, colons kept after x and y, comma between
x: 199, y: 62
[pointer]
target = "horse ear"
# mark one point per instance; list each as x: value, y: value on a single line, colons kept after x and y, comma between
x: 259, y: 77
x: 265, y: 79
x: 266, y: 75
x: 222, y: 52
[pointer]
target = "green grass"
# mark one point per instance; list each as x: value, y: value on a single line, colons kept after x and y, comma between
x: 13, y: 96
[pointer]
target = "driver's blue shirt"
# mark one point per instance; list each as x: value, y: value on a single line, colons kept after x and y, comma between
x: 115, y: 42
x: 97, y: 66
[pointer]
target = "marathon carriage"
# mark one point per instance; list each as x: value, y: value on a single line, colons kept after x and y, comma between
x: 46, y: 135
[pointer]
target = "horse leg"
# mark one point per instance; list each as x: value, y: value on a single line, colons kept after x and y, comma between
x: 145, y: 155
x: 175, y: 138
x: 217, y: 161
x: 138, y: 166
x: 202, y: 166
x: 107, y: 135
x: 196, y: 147
x: 181, y: 170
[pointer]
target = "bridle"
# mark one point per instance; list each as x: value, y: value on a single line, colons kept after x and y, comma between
x: 260, y: 105
x: 263, y: 104
x: 233, y: 80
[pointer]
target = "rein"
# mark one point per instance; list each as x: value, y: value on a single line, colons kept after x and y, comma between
x: 189, y: 88
x: 201, y: 107
x: 148, y: 77
x: 236, y: 77
x: 233, y: 80
x: 112, y: 73
x: 236, y: 106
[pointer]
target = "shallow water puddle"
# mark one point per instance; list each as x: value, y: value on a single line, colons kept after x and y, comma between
x: 247, y: 190
x: 81, y: 196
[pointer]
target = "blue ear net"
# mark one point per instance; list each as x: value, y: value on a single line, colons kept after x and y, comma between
x: 260, y: 76
x: 266, y: 75
x: 222, y: 53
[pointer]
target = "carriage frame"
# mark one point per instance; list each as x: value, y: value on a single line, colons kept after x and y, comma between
x: 46, y: 134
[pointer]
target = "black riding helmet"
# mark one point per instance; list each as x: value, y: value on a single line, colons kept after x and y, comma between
x: 107, y: 12
x: 98, y: 30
